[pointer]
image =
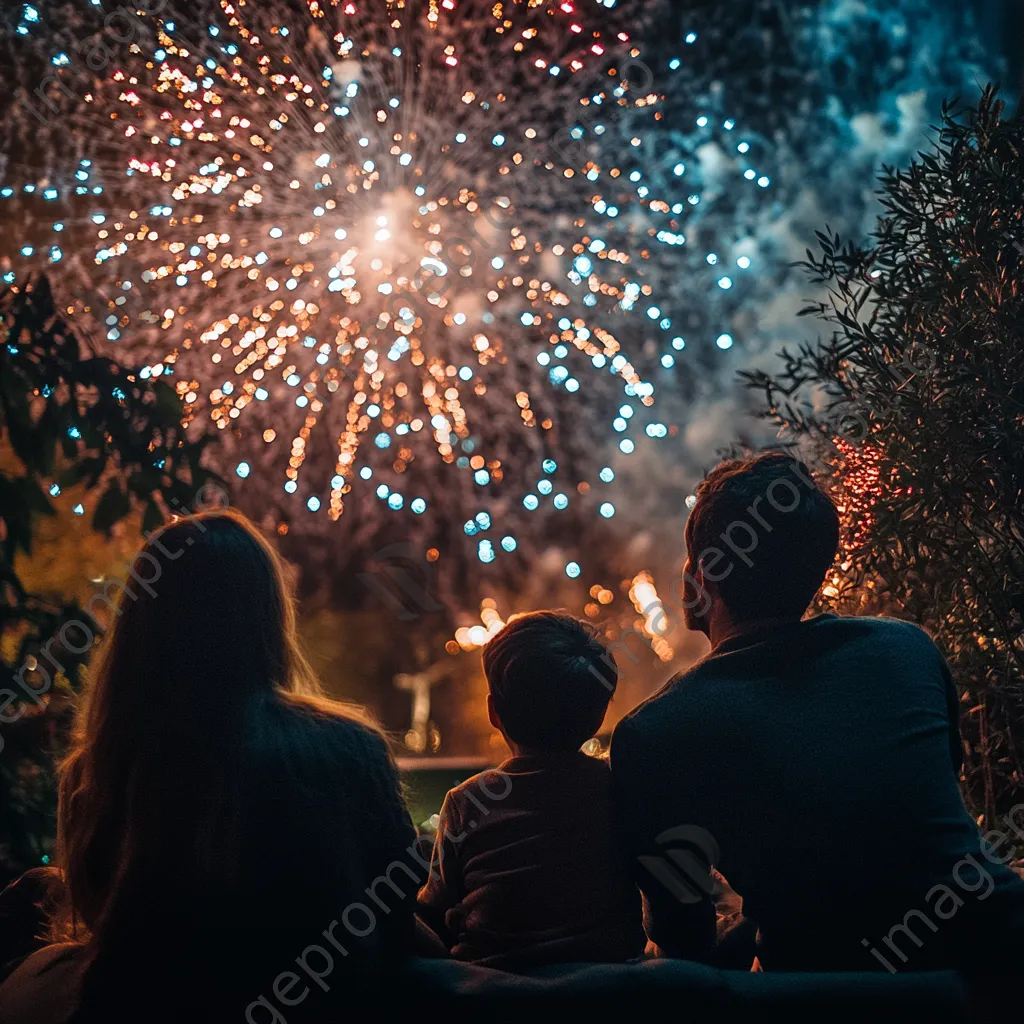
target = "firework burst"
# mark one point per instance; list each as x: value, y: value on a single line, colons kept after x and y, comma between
x: 336, y: 224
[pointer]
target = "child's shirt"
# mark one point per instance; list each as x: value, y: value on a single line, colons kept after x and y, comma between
x: 528, y: 868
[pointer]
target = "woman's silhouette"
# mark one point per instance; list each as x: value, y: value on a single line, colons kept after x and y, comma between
x: 214, y: 804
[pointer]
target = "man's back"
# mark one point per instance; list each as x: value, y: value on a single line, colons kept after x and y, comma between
x: 822, y: 758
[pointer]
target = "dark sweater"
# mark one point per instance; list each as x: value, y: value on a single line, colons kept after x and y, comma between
x: 822, y: 759
x: 527, y: 868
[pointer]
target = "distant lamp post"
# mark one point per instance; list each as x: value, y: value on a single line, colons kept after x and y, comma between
x: 422, y: 734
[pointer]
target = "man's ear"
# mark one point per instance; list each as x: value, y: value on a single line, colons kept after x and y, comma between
x: 492, y: 715
x: 702, y: 589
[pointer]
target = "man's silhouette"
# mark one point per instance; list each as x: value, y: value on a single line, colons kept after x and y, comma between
x: 821, y: 754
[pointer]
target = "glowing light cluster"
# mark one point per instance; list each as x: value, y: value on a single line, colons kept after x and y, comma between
x: 468, y: 638
x: 644, y: 595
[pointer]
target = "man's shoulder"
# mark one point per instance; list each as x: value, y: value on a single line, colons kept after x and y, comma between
x: 878, y: 623
x: 676, y: 693
x: 878, y: 628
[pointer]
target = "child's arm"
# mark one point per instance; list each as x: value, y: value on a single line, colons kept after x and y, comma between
x: 443, y: 889
x: 671, y: 866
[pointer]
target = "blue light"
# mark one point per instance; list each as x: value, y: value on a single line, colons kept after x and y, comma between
x: 79, y: 509
x: 724, y: 341
x: 607, y: 474
x: 460, y: 138
x: 626, y: 446
x: 674, y: 63
x: 526, y: 319
x: 560, y: 501
x: 668, y: 361
x: 485, y: 551
x: 743, y: 262
x: 691, y: 37
x: 607, y: 510
x: 382, y: 440
x: 498, y: 140
x: 743, y: 147
x: 530, y: 502
x: 242, y: 469
x: 365, y: 473
x: 54, y: 489
x: 678, y: 344
x: 482, y: 477
x: 418, y: 505
x: 572, y: 570
x: 469, y: 527
x: 545, y: 486
x: 679, y: 169
x: 395, y: 501
x: 583, y: 265
x: 313, y: 504
x: 549, y: 465
x: 702, y: 121
x: 725, y: 283
x: 508, y: 543
x: 764, y: 181
x: 337, y: 482
x: 483, y: 520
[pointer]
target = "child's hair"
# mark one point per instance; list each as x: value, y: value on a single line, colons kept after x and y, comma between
x: 551, y: 679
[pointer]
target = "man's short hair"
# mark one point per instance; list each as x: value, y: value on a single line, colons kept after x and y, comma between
x: 778, y: 531
x: 551, y: 679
